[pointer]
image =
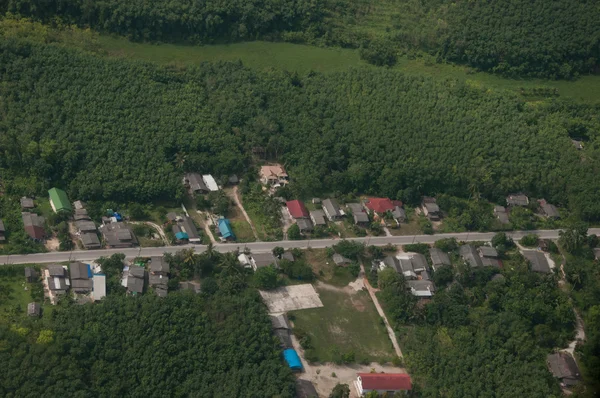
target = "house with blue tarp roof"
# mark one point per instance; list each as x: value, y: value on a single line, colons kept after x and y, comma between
x: 225, y: 229
x: 292, y: 359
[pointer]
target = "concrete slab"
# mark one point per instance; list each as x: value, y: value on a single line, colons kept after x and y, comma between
x: 290, y: 298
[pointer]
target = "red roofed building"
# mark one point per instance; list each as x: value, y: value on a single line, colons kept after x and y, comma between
x: 382, y: 382
x: 297, y: 209
x: 382, y: 205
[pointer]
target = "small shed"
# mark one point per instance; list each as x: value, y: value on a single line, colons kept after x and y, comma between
x: 34, y: 309
x: 292, y: 359
x: 30, y: 274
x: 59, y: 200
x: 27, y: 203
x: 340, y: 260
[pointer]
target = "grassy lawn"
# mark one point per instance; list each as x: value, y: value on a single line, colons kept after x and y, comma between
x: 13, y: 295
x: 242, y: 231
x: 258, y: 54
x: 302, y: 58
x: 326, y: 270
x: 347, y: 323
x: 410, y: 228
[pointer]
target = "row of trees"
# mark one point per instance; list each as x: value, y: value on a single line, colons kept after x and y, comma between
x: 190, y: 21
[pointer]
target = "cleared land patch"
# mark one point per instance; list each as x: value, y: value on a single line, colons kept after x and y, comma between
x: 289, y: 298
x: 346, y: 329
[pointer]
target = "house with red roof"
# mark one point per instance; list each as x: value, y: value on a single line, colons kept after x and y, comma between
x: 382, y: 205
x: 297, y: 209
x: 382, y: 383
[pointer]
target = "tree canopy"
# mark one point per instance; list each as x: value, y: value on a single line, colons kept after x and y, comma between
x: 115, y: 129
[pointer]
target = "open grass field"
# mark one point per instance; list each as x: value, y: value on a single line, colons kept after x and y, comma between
x: 257, y: 54
x: 302, y: 59
x: 348, y: 323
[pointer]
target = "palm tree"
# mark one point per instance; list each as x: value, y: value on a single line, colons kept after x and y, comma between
x: 189, y: 256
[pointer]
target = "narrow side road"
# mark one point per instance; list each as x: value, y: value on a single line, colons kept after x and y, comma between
x: 238, y: 202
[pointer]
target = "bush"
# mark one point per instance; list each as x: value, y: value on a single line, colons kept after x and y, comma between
x: 297, y: 270
x: 446, y: 245
x: 349, y: 249
x: 354, y: 269
x: 501, y: 239
x: 529, y: 240
x: 422, y: 248
x: 293, y: 232
x: 378, y: 52
x: 265, y: 278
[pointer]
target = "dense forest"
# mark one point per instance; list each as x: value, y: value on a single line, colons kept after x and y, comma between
x: 178, y: 20
x: 209, y: 345
x: 542, y: 38
x: 481, y: 336
x: 126, y: 131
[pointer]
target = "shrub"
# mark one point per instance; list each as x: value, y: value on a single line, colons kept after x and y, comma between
x: 529, y: 240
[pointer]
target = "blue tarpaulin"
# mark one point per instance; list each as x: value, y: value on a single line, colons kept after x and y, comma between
x: 292, y: 359
x: 181, y: 235
x: 89, y: 271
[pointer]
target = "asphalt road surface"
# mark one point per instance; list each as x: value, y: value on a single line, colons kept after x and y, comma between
x: 263, y: 247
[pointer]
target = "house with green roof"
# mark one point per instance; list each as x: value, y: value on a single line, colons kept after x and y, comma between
x: 59, y: 200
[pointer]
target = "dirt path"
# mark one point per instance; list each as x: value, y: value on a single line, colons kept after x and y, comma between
x: 579, y: 327
x: 157, y: 228
x: 207, y: 230
x: 238, y: 202
x: 382, y: 314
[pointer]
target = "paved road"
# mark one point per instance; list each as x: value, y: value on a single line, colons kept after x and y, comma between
x: 262, y: 247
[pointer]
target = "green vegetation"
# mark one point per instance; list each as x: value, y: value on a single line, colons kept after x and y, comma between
x: 179, y: 20
x: 89, y: 349
x: 346, y: 329
x: 478, y: 329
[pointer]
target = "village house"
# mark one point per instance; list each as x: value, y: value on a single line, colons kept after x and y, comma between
x: 118, y: 235
x: 318, y: 218
x: 194, y: 183
x: 59, y: 200
x: 399, y: 215
x: 56, y: 281
x: 489, y: 256
x: 382, y: 383
x: 439, y: 258
x: 548, y: 210
x: 577, y: 144
x: 282, y: 329
x: 305, y: 225
x: 2, y: 231
x: 78, y: 205
x: 539, y: 262
x: 501, y: 214
x: 34, y: 226
x: 288, y: 256
x: 332, y: 209
x: 27, y: 203
x: 517, y: 199
x: 470, y: 255
x: 34, y: 309
x: 597, y: 254
x: 274, y: 175
x: 85, y: 226
x: 210, y: 183
x: 225, y: 230
x: 430, y: 208
x: 564, y: 368
x: 361, y: 218
x: 184, y: 230
x: 81, y: 215
x: 421, y: 287
x: 31, y: 275
x: 380, y: 206
x: 81, y: 275
x: 90, y: 240
x: 296, y: 209
x: 133, y: 279
x: 257, y: 260
x: 159, y: 275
